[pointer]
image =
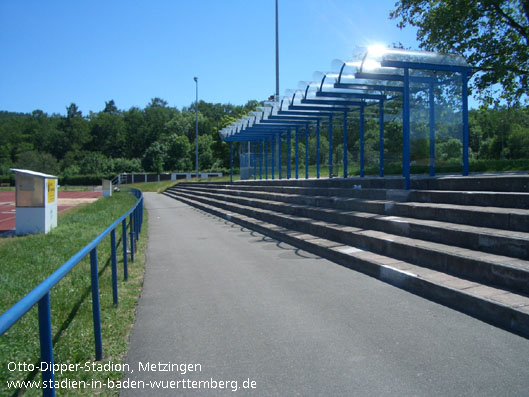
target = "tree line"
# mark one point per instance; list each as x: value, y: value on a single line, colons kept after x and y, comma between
x: 161, y: 138
x: 156, y: 138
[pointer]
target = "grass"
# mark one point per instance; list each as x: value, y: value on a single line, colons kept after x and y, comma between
x: 26, y: 261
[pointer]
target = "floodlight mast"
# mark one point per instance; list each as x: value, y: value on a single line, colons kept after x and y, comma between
x: 277, y: 54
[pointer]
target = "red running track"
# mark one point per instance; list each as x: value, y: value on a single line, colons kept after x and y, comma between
x: 7, y: 206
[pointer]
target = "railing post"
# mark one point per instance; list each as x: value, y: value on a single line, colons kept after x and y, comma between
x: 124, y: 241
x: 46, y: 347
x: 114, y: 266
x: 96, y: 312
x: 131, y: 222
x: 136, y: 224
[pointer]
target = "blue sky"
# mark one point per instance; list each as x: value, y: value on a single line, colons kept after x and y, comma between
x: 89, y: 51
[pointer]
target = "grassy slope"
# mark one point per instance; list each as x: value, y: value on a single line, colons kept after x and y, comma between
x: 26, y: 261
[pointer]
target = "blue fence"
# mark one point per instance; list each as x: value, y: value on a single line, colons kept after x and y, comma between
x: 41, y: 294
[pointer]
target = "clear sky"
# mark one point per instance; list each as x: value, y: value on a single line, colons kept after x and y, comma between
x: 56, y: 52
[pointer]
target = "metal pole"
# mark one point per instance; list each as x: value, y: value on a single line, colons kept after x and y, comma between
x: 274, y: 145
x: 114, y: 266
x: 381, y: 137
x: 96, y: 311
x: 231, y: 162
x: 46, y: 346
x: 261, y: 148
x: 289, y: 154
x: 196, y: 126
x: 362, y: 141
x: 279, y: 165
x: 330, y: 146
x: 254, y: 144
x: 406, y: 130
x: 307, y: 152
x: 432, y: 130
x: 465, y: 123
x: 277, y: 53
x: 124, y: 244
x: 297, y: 153
x: 318, y: 148
x: 345, y: 144
x: 266, y: 147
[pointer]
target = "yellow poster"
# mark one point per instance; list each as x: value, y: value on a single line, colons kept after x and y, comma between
x: 51, y: 191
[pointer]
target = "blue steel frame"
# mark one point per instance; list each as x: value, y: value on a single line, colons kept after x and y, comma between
x: 318, y: 149
x: 40, y: 295
x: 329, y: 103
x: 297, y: 151
x: 307, y: 151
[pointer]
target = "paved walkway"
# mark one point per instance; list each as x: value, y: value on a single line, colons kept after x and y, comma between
x: 244, y: 306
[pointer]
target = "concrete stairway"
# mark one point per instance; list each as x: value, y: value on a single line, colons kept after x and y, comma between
x: 465, y: 249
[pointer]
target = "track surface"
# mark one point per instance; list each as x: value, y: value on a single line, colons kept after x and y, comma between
x: 245, y: 306
x: 66, y: 200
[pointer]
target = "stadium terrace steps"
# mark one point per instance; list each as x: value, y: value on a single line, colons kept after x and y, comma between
x: 442, y: 245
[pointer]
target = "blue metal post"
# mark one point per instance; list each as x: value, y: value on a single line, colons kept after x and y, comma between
x: 318, y: 149
x: 46, y: 347
x: 95, y: 304
x: 297, y: 152
x: 464, y: 87
x: 330, y: 146
x: 274, y: 146
x: 345, y: 144
x: 254, y: 160
x: 406, y: 129
x: 124, y: 241
x: 381, y: 137
x: 307, y: 152
x: 114, y: 266
x: 279, y: 164
x: 289, y: 154
x: 131, y: 223
x: 362, y: 141
x: 432, y: 130
x: 231, y: 162
x: 266, y: 147
x: 260, y: 146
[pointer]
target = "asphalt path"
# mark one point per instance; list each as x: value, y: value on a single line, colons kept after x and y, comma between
x: 237, y: 306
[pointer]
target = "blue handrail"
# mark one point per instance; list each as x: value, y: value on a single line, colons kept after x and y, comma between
x: 41, y: 294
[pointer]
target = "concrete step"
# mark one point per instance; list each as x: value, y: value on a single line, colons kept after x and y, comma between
x: 466, y: 198
x: 512, y: 219
x: 493, y: 241
x: 500, y: 271
x: 513, y: 182
x: 496, y: 306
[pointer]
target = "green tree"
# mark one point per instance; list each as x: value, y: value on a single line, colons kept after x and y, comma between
x: 153, y: 159
x: 205, y: 152
x: 108, y: 134
x: 178, y: 153
x: 493, y: 35
x: 75, y: 132
x: 37, y: 161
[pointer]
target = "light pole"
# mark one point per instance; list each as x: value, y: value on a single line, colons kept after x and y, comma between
x: 277, y: 53
x: 196, y: 126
